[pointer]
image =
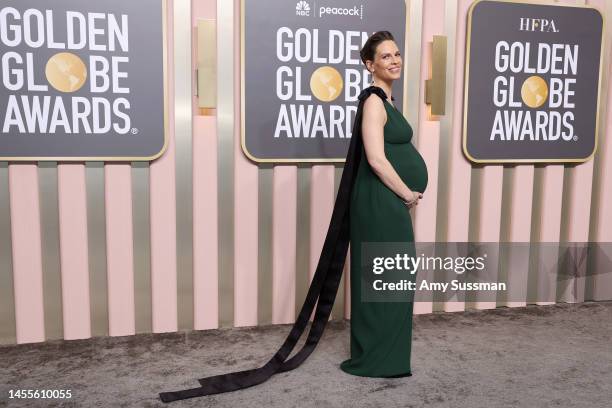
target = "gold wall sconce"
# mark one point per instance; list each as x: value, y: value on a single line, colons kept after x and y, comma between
x: 206, y: 71
x: 435, y: 87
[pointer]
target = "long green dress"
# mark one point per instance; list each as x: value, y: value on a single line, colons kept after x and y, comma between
x: 381, y: 332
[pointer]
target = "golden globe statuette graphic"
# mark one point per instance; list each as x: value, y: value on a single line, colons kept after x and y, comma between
x: 66, y: 72
x: 326, y: 83
x: 534, y: 91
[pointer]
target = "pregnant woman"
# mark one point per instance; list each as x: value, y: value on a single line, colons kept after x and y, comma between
x: 383, y: 177
x: 391, y: 177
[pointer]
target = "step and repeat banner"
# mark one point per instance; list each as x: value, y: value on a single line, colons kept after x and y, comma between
x: 532, y: 78
x: 82, y: 80
x: 532, y: 82
x: 302, y: 74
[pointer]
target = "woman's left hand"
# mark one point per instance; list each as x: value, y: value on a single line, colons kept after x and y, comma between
x: 415, y: 201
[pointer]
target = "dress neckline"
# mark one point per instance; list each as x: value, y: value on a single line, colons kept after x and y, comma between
x: 378, y: 90
x: 393, y: 106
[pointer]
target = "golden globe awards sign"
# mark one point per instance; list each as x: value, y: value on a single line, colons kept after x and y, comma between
x: 532, y: 82
x: 82, y: 80
x: 302, y: 74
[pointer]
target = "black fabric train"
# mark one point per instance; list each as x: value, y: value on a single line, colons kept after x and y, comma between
x: 323, y: 287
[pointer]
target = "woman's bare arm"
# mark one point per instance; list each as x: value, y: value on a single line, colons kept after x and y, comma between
x: 372, y: 130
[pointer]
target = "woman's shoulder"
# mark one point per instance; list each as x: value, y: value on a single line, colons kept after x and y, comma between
x: 374, y: 108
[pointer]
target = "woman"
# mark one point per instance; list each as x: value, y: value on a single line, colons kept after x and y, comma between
x: 391, y: 176
x: 383, y: 177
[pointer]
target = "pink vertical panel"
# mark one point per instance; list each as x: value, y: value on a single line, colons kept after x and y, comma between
x: 246, y: 209
x: 119, y: 249
x: 459, y: 168
x: 163, y: 213
x: 321, y: 207
x: 26, y: 252
x: 246, y: 239
x: 428, y: 135
x: 602, y: 284
x: 489, y: 223
x: 520, y: 232
x: 550, y: 229
x: 205, y: 199
x: 205, y: 224
x: 579, y: 208
x: 284, y: 230
x: 74, y: 262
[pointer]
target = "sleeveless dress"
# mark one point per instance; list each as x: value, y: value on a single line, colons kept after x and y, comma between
x: 381, y: 332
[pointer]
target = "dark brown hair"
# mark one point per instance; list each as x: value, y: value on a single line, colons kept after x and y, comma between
x: 369, y: 48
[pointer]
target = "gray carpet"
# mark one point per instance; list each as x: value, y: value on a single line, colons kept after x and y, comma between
x: 536, y: 357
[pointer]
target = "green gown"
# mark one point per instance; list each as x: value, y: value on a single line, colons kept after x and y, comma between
x: 381, y: 332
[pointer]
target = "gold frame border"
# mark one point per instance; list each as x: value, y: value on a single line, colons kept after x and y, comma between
x: 467, y: 77
x: 164, y: 4
x: 242, y: 115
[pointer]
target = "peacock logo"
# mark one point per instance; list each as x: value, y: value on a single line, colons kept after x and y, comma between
x: 302, y: 8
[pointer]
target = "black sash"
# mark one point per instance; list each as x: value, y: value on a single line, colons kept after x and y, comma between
x: 323, y: 287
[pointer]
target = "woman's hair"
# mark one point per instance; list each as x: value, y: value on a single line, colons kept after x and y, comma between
x: 369, y: 48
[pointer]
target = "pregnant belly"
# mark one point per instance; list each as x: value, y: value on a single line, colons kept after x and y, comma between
x: 409, y: 164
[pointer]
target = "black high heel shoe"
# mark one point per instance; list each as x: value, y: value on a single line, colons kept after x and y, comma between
x: 399, y: 375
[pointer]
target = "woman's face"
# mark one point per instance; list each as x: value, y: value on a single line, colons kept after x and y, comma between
x: 387, y: 64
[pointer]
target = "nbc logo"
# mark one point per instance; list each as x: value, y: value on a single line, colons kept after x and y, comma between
x: 302, y: 8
